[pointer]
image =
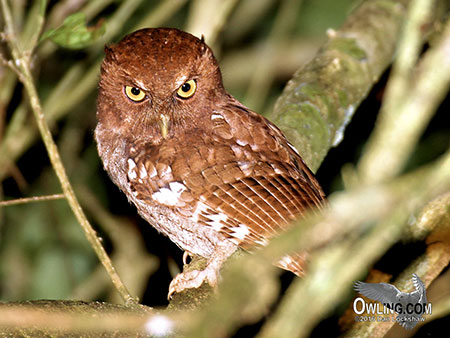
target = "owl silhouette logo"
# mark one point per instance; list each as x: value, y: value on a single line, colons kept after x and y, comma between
x: 410, y: 306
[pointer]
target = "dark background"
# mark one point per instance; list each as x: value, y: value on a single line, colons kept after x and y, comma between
x: 43, y: 252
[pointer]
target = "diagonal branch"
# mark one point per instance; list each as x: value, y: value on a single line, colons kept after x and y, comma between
x: 22, y: 61
x: 321, y: 98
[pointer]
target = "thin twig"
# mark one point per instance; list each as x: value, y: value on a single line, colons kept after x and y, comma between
x: 399, y: 125
x: 31, y: 200
x: 10, y: 65
x: 22, y: 62
x: 319, y: 100
x: 15, y: 143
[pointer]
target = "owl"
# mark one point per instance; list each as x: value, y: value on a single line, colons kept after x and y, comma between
x: 198, y: 165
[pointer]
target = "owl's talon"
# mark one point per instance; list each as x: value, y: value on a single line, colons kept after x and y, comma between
x: 192, y: 279
x: 186, y: 255
x: 211, y: 274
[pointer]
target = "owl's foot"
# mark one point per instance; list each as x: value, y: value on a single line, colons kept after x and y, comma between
x: 192, y: 279
x: 211, y: 274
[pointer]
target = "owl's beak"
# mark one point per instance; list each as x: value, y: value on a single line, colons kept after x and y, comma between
x: 164, y: 125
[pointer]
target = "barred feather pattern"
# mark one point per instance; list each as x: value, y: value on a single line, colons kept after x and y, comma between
x: 205, y: 171
x: 246, y: 186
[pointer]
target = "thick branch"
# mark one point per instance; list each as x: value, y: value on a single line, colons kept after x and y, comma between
x: 320, y: 99
x: 65, y: 318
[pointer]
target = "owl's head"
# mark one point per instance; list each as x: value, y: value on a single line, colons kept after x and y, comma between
x: 157, y: 80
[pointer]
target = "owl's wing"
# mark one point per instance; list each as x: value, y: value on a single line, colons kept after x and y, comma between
x: 382, y: 292
x: 261, y: 185
x: 420, y: 289
x: 254, y: 208
x: 241, y: 177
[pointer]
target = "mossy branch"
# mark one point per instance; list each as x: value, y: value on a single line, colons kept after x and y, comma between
x: 314, y: 109
x: 63, y: 318
x: 320, y: 99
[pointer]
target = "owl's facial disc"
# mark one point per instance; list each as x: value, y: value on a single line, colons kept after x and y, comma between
x: 137, y: 94
x: 184, y: 92
x: 165, y: 79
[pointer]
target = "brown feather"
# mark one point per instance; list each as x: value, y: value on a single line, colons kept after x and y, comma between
x: 218, y: 175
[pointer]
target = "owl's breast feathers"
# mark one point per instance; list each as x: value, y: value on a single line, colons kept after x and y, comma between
x: 238, y: 176
x: 198, y: 165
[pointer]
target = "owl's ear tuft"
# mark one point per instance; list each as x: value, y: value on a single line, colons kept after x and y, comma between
x: 202, y: 39
x: 109, y: 53
x: 107, y: 49
x: 205, y: 50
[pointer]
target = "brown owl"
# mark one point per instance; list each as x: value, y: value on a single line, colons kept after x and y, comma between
x: 199, y: 166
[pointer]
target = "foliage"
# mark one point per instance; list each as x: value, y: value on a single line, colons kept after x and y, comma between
x: 73, y: 33
x: 394, y: 202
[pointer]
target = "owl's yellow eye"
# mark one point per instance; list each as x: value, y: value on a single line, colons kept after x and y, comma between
x: 187, y: 89
x: 134, y: 94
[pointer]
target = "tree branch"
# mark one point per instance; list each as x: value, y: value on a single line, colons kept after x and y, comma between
x: 412, y: 97
x: 320, y: 99
x: 22, y: 60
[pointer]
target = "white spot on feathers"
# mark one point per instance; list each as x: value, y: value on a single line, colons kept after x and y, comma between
x: 286, y: 260
x: 166, y: 173
x: 293, y: 148
x: 142, y: 171
x: 131, y: 169
x: 199, y: 209
x: 216, y: 220
x: 240, y: 232
x: 216, y: 117
x: 170, y: 196
x: 262, y: 241
x: 246, y: 167
x: 241, y: 143
x: 153, y: 172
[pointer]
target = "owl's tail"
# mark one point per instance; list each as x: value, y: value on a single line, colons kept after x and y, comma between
x: 295, y: 263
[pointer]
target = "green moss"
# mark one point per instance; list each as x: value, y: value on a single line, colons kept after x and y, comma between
x: 342, y: 97
x: 306, y: 127
x: 348, y: 46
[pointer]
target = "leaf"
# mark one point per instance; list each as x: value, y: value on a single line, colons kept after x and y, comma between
x: 74, y: 33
